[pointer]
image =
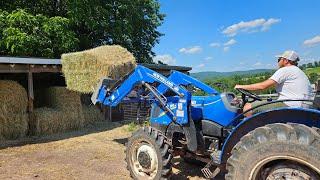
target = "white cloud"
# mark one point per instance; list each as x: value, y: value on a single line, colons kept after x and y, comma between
x: 201, y: 65
x: 165, y: 58
x: 266, y: 26
x: 313, y: 41
x: 230, y: 42
x: 215, y: 44
x: 257, y: 64
x: 208, y: 58
x: 250, y: 26
x: 191, y: 50
x: 226, y: 49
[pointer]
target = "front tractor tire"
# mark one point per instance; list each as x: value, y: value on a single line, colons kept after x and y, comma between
x: 276, y: 151
x: 148, y: 155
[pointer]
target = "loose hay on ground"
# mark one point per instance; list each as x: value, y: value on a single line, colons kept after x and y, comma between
x: 83, y: 70
x: 13, y: 106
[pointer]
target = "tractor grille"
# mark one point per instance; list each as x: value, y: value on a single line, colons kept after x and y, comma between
x: 136, y: 111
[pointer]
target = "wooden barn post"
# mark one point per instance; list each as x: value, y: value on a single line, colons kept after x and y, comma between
x: 30, y: 90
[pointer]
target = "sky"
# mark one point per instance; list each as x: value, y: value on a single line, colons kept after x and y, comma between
x: 232, y: 35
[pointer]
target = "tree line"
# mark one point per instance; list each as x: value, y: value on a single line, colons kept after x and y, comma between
x: 310, y: 65
x: 48, y: 28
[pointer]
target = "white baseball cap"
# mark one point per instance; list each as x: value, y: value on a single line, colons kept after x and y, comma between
x: 290, y: 55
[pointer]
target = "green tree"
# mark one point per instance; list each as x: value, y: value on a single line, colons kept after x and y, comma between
x: 23, y: 34
x: 313, y: 77
x: 131, y: 24
x: 309, y: 65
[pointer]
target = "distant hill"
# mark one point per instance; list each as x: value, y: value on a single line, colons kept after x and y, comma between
x: 212, y: 74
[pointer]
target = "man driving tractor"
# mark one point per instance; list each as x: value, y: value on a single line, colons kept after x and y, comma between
x: 290, y: 82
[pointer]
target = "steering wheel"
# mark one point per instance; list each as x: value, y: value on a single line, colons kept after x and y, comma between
x: 245, y: 94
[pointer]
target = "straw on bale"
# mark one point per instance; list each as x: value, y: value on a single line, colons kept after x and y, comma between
x: 13, y: 107
x: 83, y: 70
x: 13, y: 96
x: 49, y: 121
x: 91, y: 114
x: 63, y: 112
x: 13, y: 125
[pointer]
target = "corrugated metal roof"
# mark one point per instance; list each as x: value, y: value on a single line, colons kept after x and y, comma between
x: 18, y: 60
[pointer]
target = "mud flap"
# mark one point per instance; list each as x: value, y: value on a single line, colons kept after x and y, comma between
x: 190, y: 134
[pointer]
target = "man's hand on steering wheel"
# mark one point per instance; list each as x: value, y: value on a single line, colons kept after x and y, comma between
x: 245, y: 94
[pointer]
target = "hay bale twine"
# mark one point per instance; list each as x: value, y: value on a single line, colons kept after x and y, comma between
x: 13, y: 107
x: 83, y: 70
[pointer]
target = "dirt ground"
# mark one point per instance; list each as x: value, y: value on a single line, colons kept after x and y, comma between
x: 96, y: 153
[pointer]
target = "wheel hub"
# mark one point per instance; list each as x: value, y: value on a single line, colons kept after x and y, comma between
x: 144, y: 159
x: 147, y: 158
x: 288, y: 174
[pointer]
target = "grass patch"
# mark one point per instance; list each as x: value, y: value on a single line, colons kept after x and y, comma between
x: 133, y: 126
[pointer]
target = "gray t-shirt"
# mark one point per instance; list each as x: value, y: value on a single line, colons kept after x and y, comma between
x: 292, y: 83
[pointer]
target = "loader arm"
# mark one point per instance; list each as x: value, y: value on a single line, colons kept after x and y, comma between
x: 182, y: 79
x: 142, y: 75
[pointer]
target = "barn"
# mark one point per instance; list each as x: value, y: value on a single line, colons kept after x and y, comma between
x: 38, y: 76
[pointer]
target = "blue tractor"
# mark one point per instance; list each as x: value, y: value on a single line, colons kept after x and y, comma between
x: 282, y: 143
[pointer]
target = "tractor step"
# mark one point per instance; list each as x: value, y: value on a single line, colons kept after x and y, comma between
x: 208, y: 173
x: 214, y: 161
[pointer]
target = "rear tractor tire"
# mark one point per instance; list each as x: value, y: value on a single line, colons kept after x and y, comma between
x: 148, y: 155
x: 276, y: 151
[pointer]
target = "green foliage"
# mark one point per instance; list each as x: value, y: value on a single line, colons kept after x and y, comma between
x: 226, y: 84
x: 131, y: 24
x: 313, y: 77
x: 23, y: 34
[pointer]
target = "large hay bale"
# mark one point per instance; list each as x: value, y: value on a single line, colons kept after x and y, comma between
x: 13, y: 96
x: 13, y: 106
x: 92, y: 114
x: 83, y: 70
x: 50, y: 121
x: 62, y: 98
x: 13, y: 125
x: 63, y: 112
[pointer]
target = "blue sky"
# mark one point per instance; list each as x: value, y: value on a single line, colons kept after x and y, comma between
x: 217, y: 35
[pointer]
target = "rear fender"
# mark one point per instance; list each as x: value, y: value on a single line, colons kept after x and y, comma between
x: 309, y: 117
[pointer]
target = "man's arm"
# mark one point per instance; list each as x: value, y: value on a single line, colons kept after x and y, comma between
x: 257, y: 86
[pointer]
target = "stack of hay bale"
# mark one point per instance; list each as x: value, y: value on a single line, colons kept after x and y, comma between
x: 13, y: 110
x: 91, y: 114
x: 83, y: 70
x: 63, y: 112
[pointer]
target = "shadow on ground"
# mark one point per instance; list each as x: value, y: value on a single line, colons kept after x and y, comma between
x: 93, y: 128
